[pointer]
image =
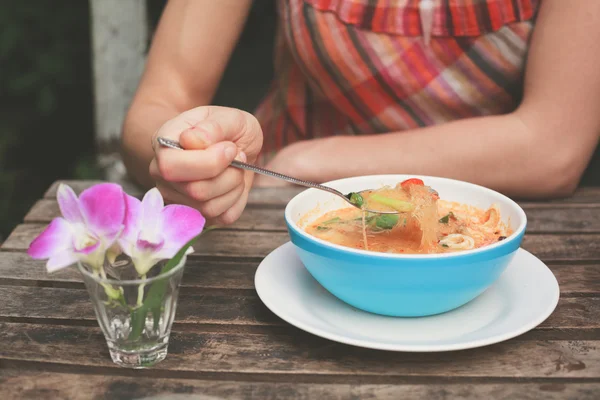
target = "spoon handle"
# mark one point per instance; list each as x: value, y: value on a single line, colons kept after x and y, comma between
x: 238, y: 164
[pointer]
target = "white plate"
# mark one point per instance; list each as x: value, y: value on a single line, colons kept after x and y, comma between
x: 522, y: 298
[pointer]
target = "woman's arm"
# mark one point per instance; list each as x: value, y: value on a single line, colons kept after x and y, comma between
x: 540, y: 150
x: 191, y: 47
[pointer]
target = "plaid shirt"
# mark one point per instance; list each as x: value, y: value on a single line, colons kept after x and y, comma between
x: 350, y: 67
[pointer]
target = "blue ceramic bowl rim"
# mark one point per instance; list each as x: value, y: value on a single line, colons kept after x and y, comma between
x: 506, y: 244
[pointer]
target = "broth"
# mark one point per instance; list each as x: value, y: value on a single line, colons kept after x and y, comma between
x: 425, y: 225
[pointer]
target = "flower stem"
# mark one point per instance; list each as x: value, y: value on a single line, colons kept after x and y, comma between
x: 140, y: 297
x: 111, y: 292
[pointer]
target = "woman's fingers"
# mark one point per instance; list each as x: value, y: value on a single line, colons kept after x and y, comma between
x: 195, y: 165
x: 172, y: 196
x: 209, y: 209
x: 234, y: 212
x: 201, y: 175
x: 209, y: 189
x: 217, y: 206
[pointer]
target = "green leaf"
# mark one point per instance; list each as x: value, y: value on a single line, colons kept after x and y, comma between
x: 331, y: 221
x: 398, y: 205
x: 138, y: 319
x: 386, y: 221
x: 356, y: 199
x: 446, y: 218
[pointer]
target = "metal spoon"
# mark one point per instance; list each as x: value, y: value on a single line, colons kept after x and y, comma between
x: 238, y: 164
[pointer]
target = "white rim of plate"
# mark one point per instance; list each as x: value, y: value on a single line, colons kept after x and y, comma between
x: 432, y: 348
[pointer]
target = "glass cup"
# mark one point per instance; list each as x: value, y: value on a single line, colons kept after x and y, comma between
x: 135, y: 315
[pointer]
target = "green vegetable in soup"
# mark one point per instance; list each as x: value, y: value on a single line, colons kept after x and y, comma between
x: 446, y: 218
x: 386, y: 221
x: 331, y: 221
x: 398, y: 205
x: 375, y: 221
x: 356, y: 199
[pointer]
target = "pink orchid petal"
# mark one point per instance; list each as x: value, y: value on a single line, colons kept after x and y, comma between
x: 133, y: 213
x: 103, y: 208
x: 152, y: 205
x: 61, y: 260
x: 88, y: 250
x: 180, y: 224
x: 56, y: 238
x: 144, y: 245
x: 166, y: 253
x: 68, y: 203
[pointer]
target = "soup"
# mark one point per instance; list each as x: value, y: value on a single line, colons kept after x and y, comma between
x: 424, y: 223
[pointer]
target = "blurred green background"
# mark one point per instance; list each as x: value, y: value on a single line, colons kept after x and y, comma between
x: 46, y: 112
x: 46, y: 117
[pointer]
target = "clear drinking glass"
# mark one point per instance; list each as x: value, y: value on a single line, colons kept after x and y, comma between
x: 135, y: 315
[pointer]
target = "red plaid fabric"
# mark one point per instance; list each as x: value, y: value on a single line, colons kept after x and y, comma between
x: 348, y: 67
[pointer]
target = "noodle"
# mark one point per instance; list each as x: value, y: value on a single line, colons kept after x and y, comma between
x: 364, y: 228
x: 423, y: 224
x: 426, y: 214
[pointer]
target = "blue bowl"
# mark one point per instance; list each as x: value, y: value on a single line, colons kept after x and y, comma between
x: 403, y: 285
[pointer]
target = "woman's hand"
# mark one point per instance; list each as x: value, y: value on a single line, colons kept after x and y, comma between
x: 200, y: 176
x: 287, y: 161
x: 302, y: 160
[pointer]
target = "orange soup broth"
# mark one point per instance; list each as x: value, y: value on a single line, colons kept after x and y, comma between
x: 344, y: 227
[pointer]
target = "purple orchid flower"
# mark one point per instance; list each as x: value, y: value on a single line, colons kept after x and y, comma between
x: 154, y: 232
x: 90, y: 226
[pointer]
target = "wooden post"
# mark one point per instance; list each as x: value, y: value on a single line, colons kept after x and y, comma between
x: 119, y: 31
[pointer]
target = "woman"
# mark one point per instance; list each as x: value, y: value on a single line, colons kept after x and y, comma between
x: 502, y: 93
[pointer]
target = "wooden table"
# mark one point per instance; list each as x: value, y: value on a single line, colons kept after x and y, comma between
x: 228, y: 345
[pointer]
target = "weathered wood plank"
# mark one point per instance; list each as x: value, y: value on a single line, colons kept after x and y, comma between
x: 567, y: 247
x: 273, y: 196
x: 571, y: 313
x: 584, y: 194
x: 563, y: 247
x: 195, y: 307
x: 215, y: 243
x: 540, y: 220
x: 577, y: 279
x: 563, y: 220
x: 21, y: 384
x: 280, y: 196
x: 43, y: 211
x: 199, y: 273
x: 259, y: 244
x: 303, y: 353
x: 573, y: 279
